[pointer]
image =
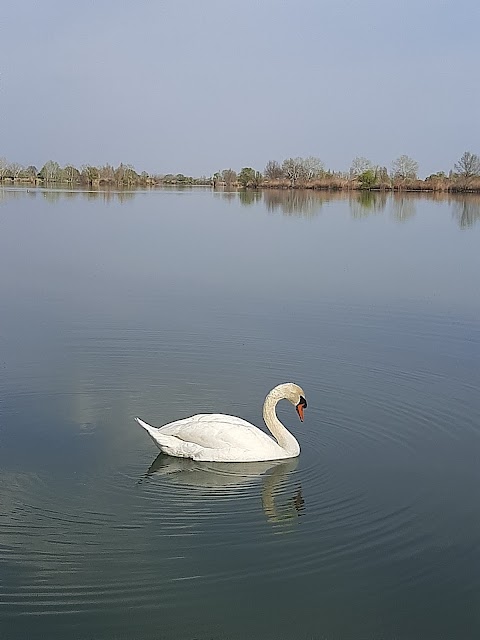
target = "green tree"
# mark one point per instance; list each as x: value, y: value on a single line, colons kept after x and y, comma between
x: 248, y: 177
x: 367, y: 179
x: 245, y: 176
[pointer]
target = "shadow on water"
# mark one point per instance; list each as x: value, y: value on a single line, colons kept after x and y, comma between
x: 210, y: 477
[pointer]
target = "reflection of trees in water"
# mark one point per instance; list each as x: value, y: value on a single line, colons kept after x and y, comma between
x: 249, y: 196
x: 225, y: 195
x: 296, y: 202
x: 291, y: 202
x: 72, y: 195
x: 54, y: 195
x: 10, y: 194
x: 110, y: 196
x: 466, y: 211
x: 403, y: 207
x: 366, y: 203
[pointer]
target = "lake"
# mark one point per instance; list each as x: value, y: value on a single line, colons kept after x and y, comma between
x: 167, y: 303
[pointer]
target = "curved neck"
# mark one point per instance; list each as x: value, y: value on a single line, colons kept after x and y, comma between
x: 281, y: 434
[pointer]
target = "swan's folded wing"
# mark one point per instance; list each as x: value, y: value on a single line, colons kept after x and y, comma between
x: 217, y: 431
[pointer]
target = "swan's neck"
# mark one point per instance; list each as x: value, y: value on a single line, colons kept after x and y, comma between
x: 279, y: 432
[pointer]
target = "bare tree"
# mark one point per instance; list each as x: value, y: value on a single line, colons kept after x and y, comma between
x: 124, y: 174
x: 71, y: 174
x: 468, y: 166
x: 89, y: 174
x: 131, y: 176
x: 15, y: 169
x: 3, y: 168
x: 50, y: 171
x: 292, y: 169
x: 359, y: 165
x: 273, y: 170
x: 107, y: 173
x: 31, y: 172
x: 404, y: 168
x: 311, y: 168
x: 229, y: 176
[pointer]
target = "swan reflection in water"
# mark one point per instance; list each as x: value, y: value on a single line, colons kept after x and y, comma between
x: 232, y: 476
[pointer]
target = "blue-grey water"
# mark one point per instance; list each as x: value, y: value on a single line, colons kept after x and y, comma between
x: 166, y: 303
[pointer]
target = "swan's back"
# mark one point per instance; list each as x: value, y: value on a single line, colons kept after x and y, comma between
x: 218, y: 431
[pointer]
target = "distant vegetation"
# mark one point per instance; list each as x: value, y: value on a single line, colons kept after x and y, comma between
x: 307, y: 173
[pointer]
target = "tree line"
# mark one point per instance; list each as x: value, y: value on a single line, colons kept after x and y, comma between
x: 297, y: 172
x: 363, y: 174
x: 88, y: 175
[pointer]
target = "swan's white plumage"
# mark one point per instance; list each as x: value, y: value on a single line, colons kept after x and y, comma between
x: 215, y: 437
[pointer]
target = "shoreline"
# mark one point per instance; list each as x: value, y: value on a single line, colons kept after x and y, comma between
x: 325, y: 187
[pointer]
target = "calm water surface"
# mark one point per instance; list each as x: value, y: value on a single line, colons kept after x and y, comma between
x: 168, y: 303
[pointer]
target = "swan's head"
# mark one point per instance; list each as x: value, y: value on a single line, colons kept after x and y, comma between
x: 294, y: 394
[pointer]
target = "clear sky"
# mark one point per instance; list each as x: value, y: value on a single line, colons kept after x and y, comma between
x: 194, y: 86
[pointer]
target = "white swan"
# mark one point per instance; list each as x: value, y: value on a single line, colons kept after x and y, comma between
x: 214, y: 437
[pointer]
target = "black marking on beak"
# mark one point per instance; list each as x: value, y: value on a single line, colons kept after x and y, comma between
x: 300, y: 407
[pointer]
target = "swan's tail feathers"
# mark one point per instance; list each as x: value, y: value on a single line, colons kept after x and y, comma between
x: 153, y: 432
x: 170, y: 445
x: 148, y: 428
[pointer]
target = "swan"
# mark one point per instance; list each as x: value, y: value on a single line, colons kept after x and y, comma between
x: 215, y: 437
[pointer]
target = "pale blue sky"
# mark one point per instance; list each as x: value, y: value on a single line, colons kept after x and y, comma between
x: 195, y: 86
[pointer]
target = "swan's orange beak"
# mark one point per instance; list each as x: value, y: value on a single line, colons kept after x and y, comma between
x: 300, y: 407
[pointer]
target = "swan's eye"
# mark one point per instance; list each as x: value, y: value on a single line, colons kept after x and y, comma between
x: 303, y: 402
